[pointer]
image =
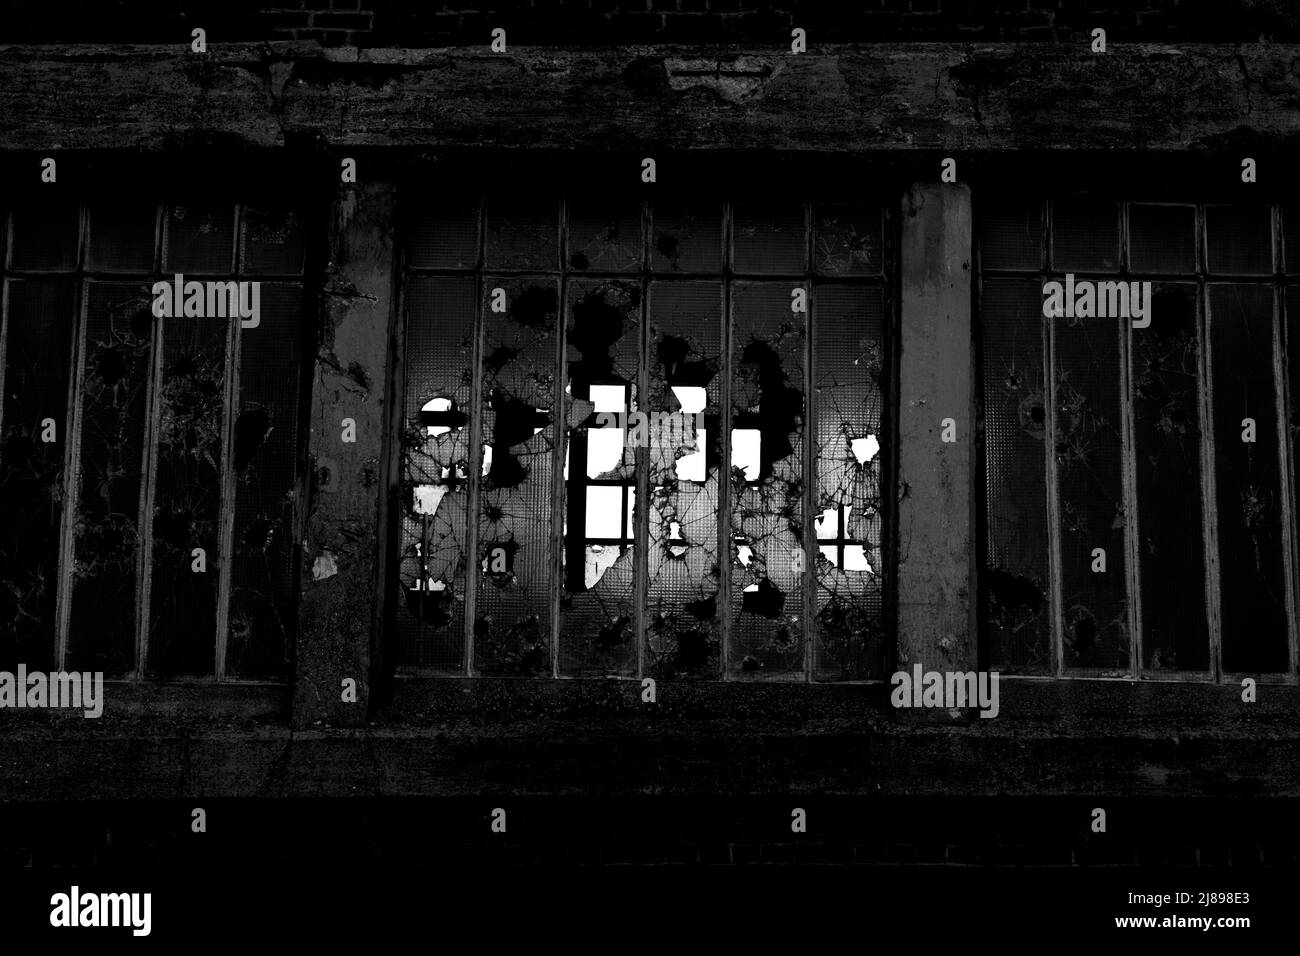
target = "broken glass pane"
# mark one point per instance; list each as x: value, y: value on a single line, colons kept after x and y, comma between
x: 1239, y: 240
x: 38, y: 354
x: 1247, y: 483
x: 686, y: 237
x: 444, y: 237
x: 848, y: 240
x: 602, y: 348
x: 436, y: 464
x: 45, y: 236
x: 512, y: 627
x: 122, y: 236
x: 682, y: 616
x: 849, y: 358
x: 605, y: 238
x: 1090, y: 477
x: 1015, y: 576
x: 1162, y: 238
x: 200, y: 239
x: 767, y: 393
x: 1011, y: 237
x: 263, y: 583
x: 1085, y: 235
x: 1167, y: 440
x: 106, y: 546
x: 769, y: 239
x: 187, y: 496
x: 522, y: 234
x: 274, y: 241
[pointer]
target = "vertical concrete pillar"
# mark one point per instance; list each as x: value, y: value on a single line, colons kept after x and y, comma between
x: 936, y: 526
x: 338, y: 614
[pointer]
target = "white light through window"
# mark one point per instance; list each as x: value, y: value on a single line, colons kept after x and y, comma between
x: 438, y: 405
x: 744, y: 451
x: 691, y: 467
x: 691, y: 397
x: 604, y: 450
x: 608, y: 398
x: 864, y: 449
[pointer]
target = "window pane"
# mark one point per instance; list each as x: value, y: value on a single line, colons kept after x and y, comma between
x: 1246, y: 480
x: 1085, y: 236
x: 437, y: 461
x: 444, y: 237
x: 1167, y: 436
x: 767, y: 393
x: 1162, y: 238
x: 848, y: 240
x: 122, y: 236
x: 273, y: 241
x: 523, y: 234
x: 682, y: 619
x: 1015, y: 584
x: 1090, y: 483
x: 264, y: 582
x: 849, y: 358
x: 769, y: 238
x: 1239, y: 240
x: 45, y: 236
x: 115, y: 394
x: 512, y: 626
x: 200, y: 239
x: 1011, y: 237
x: 605, y: 237
x: 597, y: 613
x: 37, y: 360
x: 187, y: 496
x: 686, y: 237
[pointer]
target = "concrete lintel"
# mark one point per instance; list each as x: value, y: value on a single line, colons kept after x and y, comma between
x: 838, y: 99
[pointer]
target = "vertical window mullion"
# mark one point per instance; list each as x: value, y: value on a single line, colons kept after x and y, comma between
x: 641, y: 530
x: 1128, y: 466
x: 725, y: 544
x: 558, y: 487
x: 72, y: 452
x: 1208, y: 481
x: 226, y: 520
x: 475, y: 464
x: 71, y: 459
x: 148, y: 466
x: 1053, y: 492
x: 808, y: 539
x: 149, y: 472
x: 1282, y: 405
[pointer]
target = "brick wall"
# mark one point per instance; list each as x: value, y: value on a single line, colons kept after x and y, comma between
x: 404, y: 23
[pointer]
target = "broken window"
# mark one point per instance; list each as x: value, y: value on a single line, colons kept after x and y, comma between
x: 640, y: 353
x: 516, y: 546
x: 151, y: 520
x: 605, y: 431
x: 1109, y: 550
x: 683, y: 627
x: 848, y: 506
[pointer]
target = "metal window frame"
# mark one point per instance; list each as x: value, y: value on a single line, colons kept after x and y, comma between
x: 1203, y: 279
x: 84, y: 276
x: 726, y: 277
